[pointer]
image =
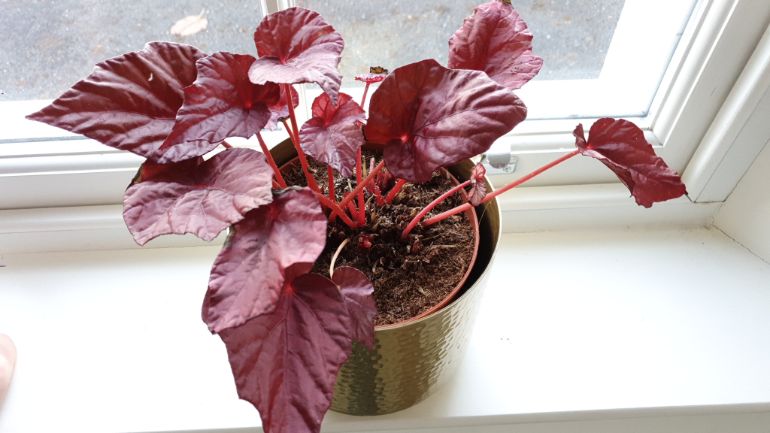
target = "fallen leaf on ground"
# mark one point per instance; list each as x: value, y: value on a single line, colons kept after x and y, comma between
x: 190, y: 25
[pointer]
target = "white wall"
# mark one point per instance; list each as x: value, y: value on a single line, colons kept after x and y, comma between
x: 745, y: 216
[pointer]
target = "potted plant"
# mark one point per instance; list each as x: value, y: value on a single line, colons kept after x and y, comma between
x: 344, y: 189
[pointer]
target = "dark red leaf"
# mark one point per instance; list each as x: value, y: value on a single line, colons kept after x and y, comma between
x: 248, y: 274
x: 296, y: 45
x: 152, y: 171
x: 280, y: 110
x: 375, y: 75
x: 358, y: 291
x: 221, y: 103
x: 478, y: 186
x: 496, y: 40
x: 333, y: 135
x: 621, y: 146
x: 202, y: 198
x: 285, y: 362
x: 428, y: 116
x: 128, y: 102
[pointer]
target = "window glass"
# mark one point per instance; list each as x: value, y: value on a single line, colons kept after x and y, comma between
x: 572, y: 37
x: 48, y: 45
x: 601, y: 58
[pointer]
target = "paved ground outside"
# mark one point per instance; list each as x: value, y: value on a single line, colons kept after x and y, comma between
x: 47, y: 45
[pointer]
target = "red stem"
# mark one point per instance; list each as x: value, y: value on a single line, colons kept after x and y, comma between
x: 332, y: 195
x: 416, y: 220
x: 226, y: 145
x: 492, y: 195
x: 377, y: 194
x: 288, y: 128
x: 363, y: 98
x: 271, y: 161
x: 294, y: 134
x: 396, y: 189
x: 359, y: 179
x: 362, y: 185
x: 351, y: 208
x: 336, y: 210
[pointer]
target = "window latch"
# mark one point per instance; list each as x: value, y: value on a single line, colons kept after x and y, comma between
x: 499, y: 163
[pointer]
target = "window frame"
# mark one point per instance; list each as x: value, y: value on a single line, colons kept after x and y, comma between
x: 716, y: 45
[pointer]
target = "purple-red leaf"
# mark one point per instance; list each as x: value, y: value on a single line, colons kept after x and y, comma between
x: 280, y: 110
x: 621, y: 146
x: 478, y: 186
x: 202, y: 198
x: 358, y: 293
x: 496, y: 40
x: 296, y: 45
x: 221, y: 103
x: 128, y: 102
x: 249, y: 273
x: 428, y: 116
x: 333, y: 135
x: 286, y: 362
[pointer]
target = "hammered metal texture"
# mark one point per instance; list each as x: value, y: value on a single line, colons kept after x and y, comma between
x: 411, y: 360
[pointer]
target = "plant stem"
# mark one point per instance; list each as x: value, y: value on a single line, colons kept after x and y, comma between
x: 294, y: 134
x: 492, y: 195
x: 271, y: 161
x: 377, y: 194
x: 288, y: 129
x: 363, y: 98
x: 226, y: 145
x: 362, y: 185
x: 416, y: 220
x: 336, y: 210
x: 337, y: 254
x: 395, y: 190
x: 359, y: 179
x: 332, y: 195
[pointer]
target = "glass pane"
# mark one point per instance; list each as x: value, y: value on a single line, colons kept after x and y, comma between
x: 572, y: 37
x: 48, y: 45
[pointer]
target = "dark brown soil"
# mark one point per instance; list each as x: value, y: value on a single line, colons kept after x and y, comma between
x: 409, y: 276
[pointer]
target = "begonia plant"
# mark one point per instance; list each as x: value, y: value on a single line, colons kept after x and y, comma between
x: 288, y: 330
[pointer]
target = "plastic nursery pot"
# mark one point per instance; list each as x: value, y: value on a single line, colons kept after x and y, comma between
x: 411, y: 359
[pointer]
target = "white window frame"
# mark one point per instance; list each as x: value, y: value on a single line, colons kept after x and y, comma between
x: 713, y: 68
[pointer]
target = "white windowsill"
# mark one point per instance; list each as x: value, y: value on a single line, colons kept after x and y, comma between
x: 524, y: 210
x: 600, y: 331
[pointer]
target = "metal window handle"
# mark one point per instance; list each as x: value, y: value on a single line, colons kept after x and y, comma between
x: 499, y: 163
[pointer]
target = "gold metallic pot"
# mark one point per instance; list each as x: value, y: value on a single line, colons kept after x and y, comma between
x: 411, y: 360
